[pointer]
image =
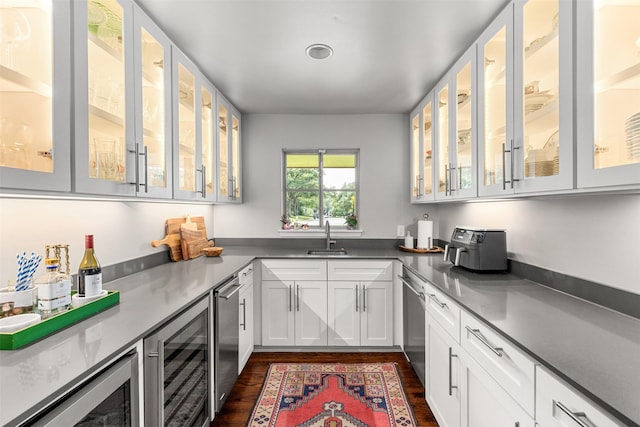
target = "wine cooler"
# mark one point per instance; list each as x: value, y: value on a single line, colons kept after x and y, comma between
x: 177, y: 374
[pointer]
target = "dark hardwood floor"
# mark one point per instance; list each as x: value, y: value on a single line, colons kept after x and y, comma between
x: 239, y: 404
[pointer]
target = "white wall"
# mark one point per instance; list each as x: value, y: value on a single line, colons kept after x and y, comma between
x: 122, y: 230
x: 384, y: 165
x: 593, y: 237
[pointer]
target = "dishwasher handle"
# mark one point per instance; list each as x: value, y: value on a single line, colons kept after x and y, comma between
x: 230, y: 288
x: 418, y: 294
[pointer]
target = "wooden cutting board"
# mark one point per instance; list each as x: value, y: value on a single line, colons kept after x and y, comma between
x: 173, y: 225
x: 172, y: 238
x: 193, y: 242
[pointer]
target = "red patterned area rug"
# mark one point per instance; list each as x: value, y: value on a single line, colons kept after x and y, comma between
x: 332, y: 395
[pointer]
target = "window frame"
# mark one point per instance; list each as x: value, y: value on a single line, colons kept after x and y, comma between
x: 320, y: 190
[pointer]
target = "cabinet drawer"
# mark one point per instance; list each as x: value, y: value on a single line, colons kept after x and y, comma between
x: 509, y: 366
x: 277, y: 269
x: 559, y: 405
x: 442, y: 309
x: 360, y: 270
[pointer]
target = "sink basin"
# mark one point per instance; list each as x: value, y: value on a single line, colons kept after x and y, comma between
x: 327, y: 252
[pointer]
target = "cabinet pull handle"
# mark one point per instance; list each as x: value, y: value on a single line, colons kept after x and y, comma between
x: 146, y: 169
x: 136, y: 166
x: 575, y: 416
x: 420, y: 181
x: 297, y: 297
x: 437, y: 301
x: 446, y: 179
x: 451, y: 169
x: 476, y: 333
x: 513, y: 153
x: 364, y: 299
x: 357, y: 299
x: 504, y: 166
x: 418, y: 294
x: 244, y: 315
x: 451, y: 386
x: 289, y: 297
x: 203, y: 179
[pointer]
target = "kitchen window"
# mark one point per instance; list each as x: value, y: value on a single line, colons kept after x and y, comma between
x: 320, y: 186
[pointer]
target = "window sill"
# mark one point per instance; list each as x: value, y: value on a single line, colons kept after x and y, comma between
x: 301, y: 234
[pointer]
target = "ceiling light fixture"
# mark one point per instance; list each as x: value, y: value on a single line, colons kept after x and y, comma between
x: 319, y: 51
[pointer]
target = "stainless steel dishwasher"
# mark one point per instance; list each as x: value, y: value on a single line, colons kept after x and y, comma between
x: 413, y: 308
x: 226, y: 339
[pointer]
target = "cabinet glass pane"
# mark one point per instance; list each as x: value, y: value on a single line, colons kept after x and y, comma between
x: 464, y: 127
x: 153, y: 104
x: 207, y: 138
x: 106, y: 70
x: 235, y: 152
x: 443, y: 139
x: 541, y: 77
x: 415, y: 155
x: 617, y: 83
x: 495, y: 106
x: 427, y: 147
x: 223, y: 150
x: 186, y: 129
x: 26, y: 41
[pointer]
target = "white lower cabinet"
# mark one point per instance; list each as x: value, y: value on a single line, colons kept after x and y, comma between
x: 559, y: 405
x: 443, y: 392
x: 245, y: 337
x: 360, y: 313
x: 294, y: 313
x: 484, y: 402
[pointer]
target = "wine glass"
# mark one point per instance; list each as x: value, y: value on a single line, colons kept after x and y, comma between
x: 14, y: 29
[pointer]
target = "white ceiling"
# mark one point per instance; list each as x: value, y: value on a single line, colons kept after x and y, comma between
x: 388, y: 53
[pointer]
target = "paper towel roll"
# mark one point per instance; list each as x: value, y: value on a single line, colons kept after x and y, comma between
x: 425, y: 234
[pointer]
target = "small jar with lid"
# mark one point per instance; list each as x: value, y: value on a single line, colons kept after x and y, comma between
x: 54, y: 290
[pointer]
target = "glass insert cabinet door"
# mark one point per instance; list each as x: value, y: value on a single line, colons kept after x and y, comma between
x: 153, y: 172
x: 495, y: 100
x: 229, y: 152
x: 427, y: 150
x: 421, y: 151
x: 104, y: 97
x: 442, y: 132
x: 416, y: 172
x: 35, y: 126
x: 207, y: 142
x: 223, y: 152
x: 608, y: 72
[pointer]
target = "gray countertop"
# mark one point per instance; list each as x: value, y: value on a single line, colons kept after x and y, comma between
x: 595, y: 349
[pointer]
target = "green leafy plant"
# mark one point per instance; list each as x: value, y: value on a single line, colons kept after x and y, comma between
x: 351, y: 220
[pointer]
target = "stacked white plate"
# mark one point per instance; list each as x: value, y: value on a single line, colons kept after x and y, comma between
x: 632, y: 129
x: 536, y: 100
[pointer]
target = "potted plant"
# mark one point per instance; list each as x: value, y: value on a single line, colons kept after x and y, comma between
x: 286, y: 222
x: 352, y: 221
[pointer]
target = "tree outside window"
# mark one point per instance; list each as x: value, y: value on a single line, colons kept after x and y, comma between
x: 320, y: 186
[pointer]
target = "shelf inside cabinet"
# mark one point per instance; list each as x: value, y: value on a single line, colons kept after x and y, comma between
x: 186, y: 149
x: 13, y: 81
x: 629, y: 78
x: 102, y: 45
x: 539, y: 44
x: 105, y: 115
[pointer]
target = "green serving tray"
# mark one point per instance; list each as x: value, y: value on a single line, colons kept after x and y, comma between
x: 37, y: 331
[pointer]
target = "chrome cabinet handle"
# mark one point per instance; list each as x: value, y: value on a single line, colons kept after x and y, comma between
x: 476, y: 333
x: 504, y: 166
x: 297, y: 297
x: 575, y: 416
x: 203, y: 179
x: 420, y: 181
x: 136, y: 166
x: 364, y: 299
x: 446, y: 179
x: 289, y: 297
x: 437, y: 301
x: 451, y: 169
x: 357, y: 299
x: 146, y: 169
x: 451, y: 386
x: 460, y: 176
x: 513, y: 154
x: 244, y: 315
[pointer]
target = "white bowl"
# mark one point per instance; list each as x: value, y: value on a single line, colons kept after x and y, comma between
x: 77, y: 300
x: 19, y: 321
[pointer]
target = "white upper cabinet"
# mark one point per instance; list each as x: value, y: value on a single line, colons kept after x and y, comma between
x: 193, y: 132
x: 608, y: 93
x: 455, y: 130
x: 35, y: 126
x: 229, y: 151
x: 105, y: 146
x: 422, y: 151
x: 526, y: 100
x: 152, y: 88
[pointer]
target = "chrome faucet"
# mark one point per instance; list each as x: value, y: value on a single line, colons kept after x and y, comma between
x: 327, y: 228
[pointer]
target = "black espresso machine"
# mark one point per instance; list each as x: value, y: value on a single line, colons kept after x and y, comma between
x: 478, y: 249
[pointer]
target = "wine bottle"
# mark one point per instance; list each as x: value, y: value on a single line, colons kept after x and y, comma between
x: 89, y: 272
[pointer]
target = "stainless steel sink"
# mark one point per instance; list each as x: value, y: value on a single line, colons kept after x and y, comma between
x: 327, y: 252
